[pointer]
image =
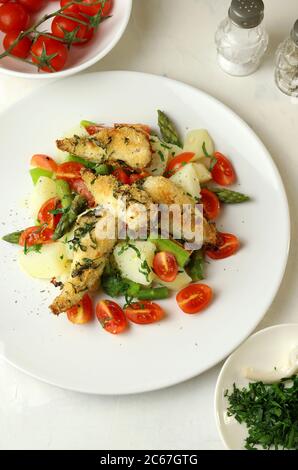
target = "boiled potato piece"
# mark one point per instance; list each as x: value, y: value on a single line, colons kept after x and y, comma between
x: 44, y: 189
x: 50, y: 262
x: 77, y: 130
x: 160, y: 157
x: 194, y: 142
x: 136, y: 263
x: 204, y: 175
x: 188, y: 179
x: 182, y: 280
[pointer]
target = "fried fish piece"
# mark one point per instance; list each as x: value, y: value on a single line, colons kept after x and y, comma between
x: 164, y: 191
x: 125, y: 143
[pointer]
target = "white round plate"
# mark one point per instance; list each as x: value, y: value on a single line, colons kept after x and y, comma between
x: 265, y: 350
x: 109, y: 33
x: 154, y: 356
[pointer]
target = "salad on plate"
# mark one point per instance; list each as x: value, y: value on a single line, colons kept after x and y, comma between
x: 118, y: 176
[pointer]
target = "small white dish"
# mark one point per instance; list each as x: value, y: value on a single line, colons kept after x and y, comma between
x: 265, y: 350
x: 109, y: 33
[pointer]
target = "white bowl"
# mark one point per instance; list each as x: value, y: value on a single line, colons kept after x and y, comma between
x: 266, y: 350
x: 80, y: 58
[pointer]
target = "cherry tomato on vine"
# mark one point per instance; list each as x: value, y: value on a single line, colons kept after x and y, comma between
x: 178, y: 162
x: 111, y: 316
x: 38, y: 235
x: 70, y: 9
x: 92, y: 7
x: 227, y: 245
x: 13, y: 17
x: 144, y: 312
x: 70, y: 29
x: 45, y: 215
x: 82, y: 312
x: 22, y: 49
x: 194, y: 298
x: 223, y: 172
x: 165, y: 266
x: 49, y: 54
x: 32, y: 5
x: 43, y: 161
x: 210, y: 203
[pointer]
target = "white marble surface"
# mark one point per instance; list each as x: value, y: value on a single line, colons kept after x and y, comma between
x: 173, y: 38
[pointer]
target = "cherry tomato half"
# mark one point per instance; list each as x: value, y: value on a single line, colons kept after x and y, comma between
x: 92, y: 7
x: 144, y: 312
x: 79, y: 186
x: 165, y: 266
x: 178, y: 162
x: 69, y: 171
x: 121, y: 176
x: 138, y: 176
x: 223, y: 172
x: 49, y: 54
x: 82, y: 312
x: 13, y: 17
x: 210, y: 203
x: 111, y: 316
x: 45, y: 215
x: 22, y: 49
x: 194, y: 298
x: 44, y: 161
x: 227, y: 245
x: 38, y: 235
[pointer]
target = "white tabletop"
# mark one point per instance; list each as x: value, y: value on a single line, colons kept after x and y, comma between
x: 172, y: 38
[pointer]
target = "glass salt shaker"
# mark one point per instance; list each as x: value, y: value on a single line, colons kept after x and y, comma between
x: 286, y: 71
x: 241, y: 38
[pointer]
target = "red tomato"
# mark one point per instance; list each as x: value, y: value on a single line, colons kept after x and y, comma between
x: 165, y: 266
x: 144, y: 312
x: 138, y: 176
x: 178, y: 162
x: 69, y: 171
x: 82, y: 312
x: 37, y: 235
x: 223, y: 172
x: 94, y: 128
x: 92, y: 7
x: 44, y: 162
x: 13, y: 17
x: 71, y: 8
x: 121, y: 176
x: 22, y: 49
x: 49, y: 54
x: 70, y: 30
x: 45, y: 215
x: 210, y: 203
x: 80, y: 187
x: 227, y: 245
x: 32, y: 5
x: 111, y: 316
x: 194, y: 298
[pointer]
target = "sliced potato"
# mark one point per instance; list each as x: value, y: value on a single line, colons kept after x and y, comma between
x: 202, y: 172
x: 51, y: 262
x: 136, y: 263
x: 182, y: 280
x: 44, y: 189
x: 194, y: 142
x: 188, y: 179
x: 160, y: 157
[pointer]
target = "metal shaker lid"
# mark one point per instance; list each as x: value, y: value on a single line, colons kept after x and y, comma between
x: 247, y: 13
x: 294, y: 33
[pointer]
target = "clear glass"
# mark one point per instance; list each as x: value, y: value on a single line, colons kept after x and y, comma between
x: 286, y: 71
x: 240, y: 50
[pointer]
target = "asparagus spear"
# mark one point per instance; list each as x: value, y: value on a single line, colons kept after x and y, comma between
x: 168, y: 130
x: 195, y: 267
x: 13, y: 237
x: 153, y: 294
x: 230, y: 197
x: 78, y: 205
x: 64, y: 193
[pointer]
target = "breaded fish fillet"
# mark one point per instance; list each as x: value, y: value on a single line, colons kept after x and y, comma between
x: 128, y: 144
x: 164, y: 191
